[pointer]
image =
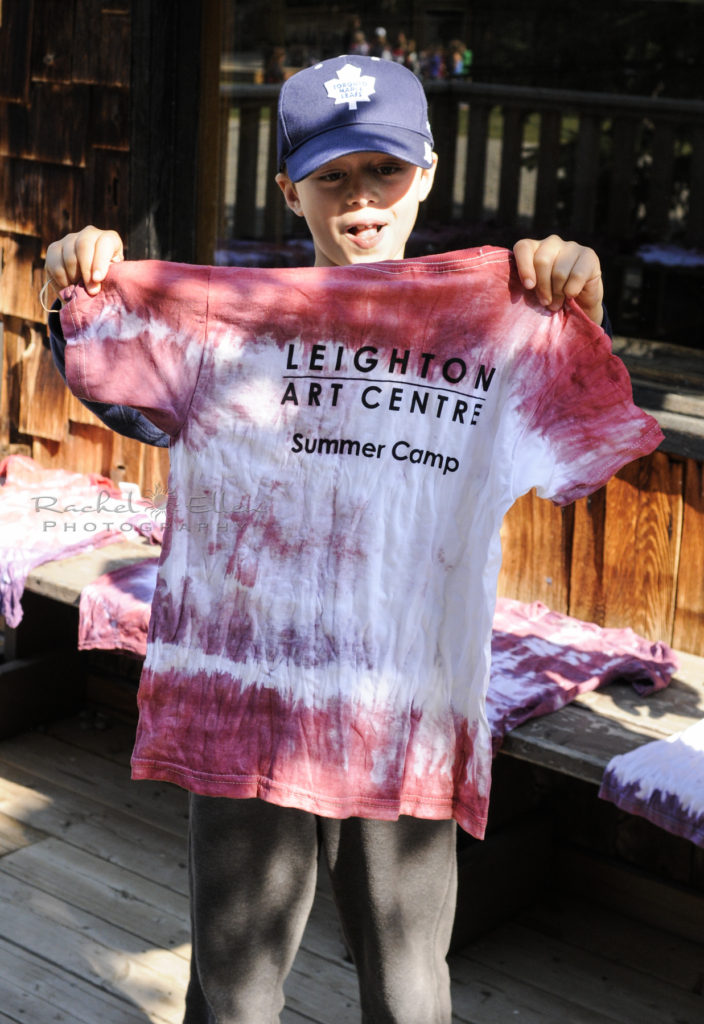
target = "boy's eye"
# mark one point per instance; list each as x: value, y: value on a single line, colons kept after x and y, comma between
x: 389, y: 169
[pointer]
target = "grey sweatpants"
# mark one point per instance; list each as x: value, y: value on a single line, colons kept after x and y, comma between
x: 253, y: 869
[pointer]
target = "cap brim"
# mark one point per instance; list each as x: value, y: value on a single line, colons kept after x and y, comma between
x: 358, y: 138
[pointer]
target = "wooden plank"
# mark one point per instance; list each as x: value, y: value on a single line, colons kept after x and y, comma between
x: 493, y: 988
x: 107, y: 189
x: 109, y: 117
x: 621, y: 220
x: 140, y: 906
x: 15, y: 40
x: 153, y: 477
x: 62, y: 197
x: 658, y: 716
x: 511, y: 151
x: 598, y: 990
x: 164, y: 127
x: 212, y: 126
x: 573, y: 742
x: 247, y: 171
x: 64, y: 578
x: 695, y: 221
x: 43, y: 394
x: 688, y: 627
x: 78, y: 413
x: 101, y: 42
x: 154, y: 980
x: 322, y: 991
x: 601, y: 931
x: 659, y: 198
x: 587, y: 598
x: 274, y: 205
x: 642, y: 533
x: 14, y: 835
x: 84, y: 446
x: 98, y: 780
x: 52, y: 43
x: 586, y: 176
x: 637, y: 894
x: 22, y: 277
x: 34, y: 690
x: 10, y: 351
x: 118, y: 837
x: 443, y: 118
x: 14, y: 135
x: 31, y: 989
x: 59, y: 117
x: 23, y: 180
x: 109, y: 736
x: 475, y: 177
x: 536, y: 538
x: 546, y: 194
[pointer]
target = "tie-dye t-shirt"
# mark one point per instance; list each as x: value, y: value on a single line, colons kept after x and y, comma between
x: 346, y: 442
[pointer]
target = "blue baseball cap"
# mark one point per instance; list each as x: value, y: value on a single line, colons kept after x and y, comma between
x: 352, y: 104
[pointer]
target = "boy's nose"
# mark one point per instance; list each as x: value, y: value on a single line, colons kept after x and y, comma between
x: 361, y: 191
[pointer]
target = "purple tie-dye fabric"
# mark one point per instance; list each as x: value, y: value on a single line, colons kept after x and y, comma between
x: 662, y: 781
x: 541, y: 660
x: 346, y: 442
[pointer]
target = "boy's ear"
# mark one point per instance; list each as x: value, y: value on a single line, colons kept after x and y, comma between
x: 290, y: 194
x: 427, y: 178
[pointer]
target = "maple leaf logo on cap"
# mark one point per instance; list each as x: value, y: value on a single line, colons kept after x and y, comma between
x: 350, y: 86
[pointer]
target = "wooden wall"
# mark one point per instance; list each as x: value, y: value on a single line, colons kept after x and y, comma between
x: 630, y: 555
x: 98, y: 124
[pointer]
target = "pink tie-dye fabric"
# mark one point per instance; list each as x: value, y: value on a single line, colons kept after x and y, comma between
x: 346, y: 442
x: 114, y: 610
x: 47, y: 514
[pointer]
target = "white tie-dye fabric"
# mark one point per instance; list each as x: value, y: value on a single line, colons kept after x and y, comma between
x: 346, y: 442
x: 662, y: 781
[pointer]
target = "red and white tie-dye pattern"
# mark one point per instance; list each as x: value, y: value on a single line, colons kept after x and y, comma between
x: 346, y: 443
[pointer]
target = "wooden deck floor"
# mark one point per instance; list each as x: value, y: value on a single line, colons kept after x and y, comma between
x: 94, y: 916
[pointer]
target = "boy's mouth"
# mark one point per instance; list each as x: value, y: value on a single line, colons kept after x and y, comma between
x: 364, y: 234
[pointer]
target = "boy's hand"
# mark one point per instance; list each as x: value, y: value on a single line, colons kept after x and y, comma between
x: 83, y: 256
x: 558, y: 270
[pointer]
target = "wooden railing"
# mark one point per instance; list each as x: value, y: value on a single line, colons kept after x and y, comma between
x: 624, y: 168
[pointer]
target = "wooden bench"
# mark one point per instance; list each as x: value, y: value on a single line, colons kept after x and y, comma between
x: 579, y: 740
x: 40, y: 671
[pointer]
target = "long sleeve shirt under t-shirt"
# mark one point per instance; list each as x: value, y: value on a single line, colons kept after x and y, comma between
x: 345, y: 443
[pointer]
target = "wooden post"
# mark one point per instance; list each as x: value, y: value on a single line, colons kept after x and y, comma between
x: 165, y: 92
x: 210, y: 127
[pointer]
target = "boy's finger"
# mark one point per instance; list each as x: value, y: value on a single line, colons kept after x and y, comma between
x: 108, y: 250
x: 85, y: 246
x: 56, y: 270
x: 523, y: 252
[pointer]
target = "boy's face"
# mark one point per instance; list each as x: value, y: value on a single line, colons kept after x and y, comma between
x: 360, y: 208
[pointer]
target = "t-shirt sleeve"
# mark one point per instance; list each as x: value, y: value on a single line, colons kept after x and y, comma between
x: 584, y: 426
x: 140, y: 341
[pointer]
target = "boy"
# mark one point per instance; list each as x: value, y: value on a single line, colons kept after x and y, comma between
x: 316, y: 672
